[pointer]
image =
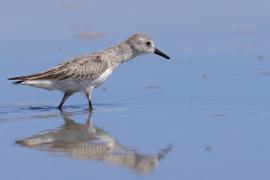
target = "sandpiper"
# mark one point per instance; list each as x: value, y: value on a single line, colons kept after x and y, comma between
x: 84, y: 73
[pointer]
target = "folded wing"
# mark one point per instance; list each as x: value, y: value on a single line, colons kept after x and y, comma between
x: 80, y: 68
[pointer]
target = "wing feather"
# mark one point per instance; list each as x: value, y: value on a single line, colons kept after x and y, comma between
x: 81, y: 68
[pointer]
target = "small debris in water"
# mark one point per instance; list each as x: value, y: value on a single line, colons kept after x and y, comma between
x: 152, y: 87
x: 253, y: 45
x: 220, y: 115
x: 86, y: 35
x: 103, y: 88
x: 72, y: 7
x: 266, y: 73
x: 186, y: 62
x: 260, y: 57
x: 246, y: 31
x: 191, y: 98
x: 204, y: 76
x: 208, y: 148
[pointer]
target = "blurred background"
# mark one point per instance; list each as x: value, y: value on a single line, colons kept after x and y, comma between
x: 210, y: 102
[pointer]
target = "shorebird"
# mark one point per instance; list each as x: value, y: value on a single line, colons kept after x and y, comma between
x: 85, y: 73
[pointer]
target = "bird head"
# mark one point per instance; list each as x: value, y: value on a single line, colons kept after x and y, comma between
x: 141, y: 43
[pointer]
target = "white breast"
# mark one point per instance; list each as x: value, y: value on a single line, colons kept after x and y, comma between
x: 102, y: 77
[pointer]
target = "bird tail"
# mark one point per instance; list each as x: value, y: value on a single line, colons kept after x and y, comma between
x: 21, y: 79
x: 17, y: 82
x: 16, y: 79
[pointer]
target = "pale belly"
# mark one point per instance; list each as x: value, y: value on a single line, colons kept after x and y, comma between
x: 70, y: 85
x: 102, y: 78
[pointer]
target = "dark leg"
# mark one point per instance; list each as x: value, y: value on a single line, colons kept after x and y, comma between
x: 89, y: 101
x: 66, y: 96
x: 89, y: 122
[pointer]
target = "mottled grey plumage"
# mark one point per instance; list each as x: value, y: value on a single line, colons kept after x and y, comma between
x: 84, y: 73
x: 87, y: 67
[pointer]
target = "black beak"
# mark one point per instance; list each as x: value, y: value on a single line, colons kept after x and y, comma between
x: 158, y: 52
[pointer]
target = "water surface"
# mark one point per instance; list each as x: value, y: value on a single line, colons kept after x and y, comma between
x: 202, y: 115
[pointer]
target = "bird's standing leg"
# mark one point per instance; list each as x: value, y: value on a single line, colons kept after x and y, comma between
x: 65, y: 97
x: 88, y: 95
x: 89, y: 121
x: 87, y: 91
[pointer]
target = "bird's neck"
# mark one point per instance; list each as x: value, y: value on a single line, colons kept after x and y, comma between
x: 127, y: 51
x: 121, y: 53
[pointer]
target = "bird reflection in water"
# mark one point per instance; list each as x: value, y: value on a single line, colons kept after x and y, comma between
x: 88, y: 142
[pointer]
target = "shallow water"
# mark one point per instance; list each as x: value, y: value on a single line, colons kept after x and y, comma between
x: 202, y: 115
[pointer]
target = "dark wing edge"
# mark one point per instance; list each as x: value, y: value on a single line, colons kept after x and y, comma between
x: 20, y: 79
x: 36, y: 76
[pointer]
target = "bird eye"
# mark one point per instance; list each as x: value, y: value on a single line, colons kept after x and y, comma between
x: 148, y: 43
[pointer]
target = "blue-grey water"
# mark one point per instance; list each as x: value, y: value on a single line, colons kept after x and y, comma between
x: 205, y: 114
